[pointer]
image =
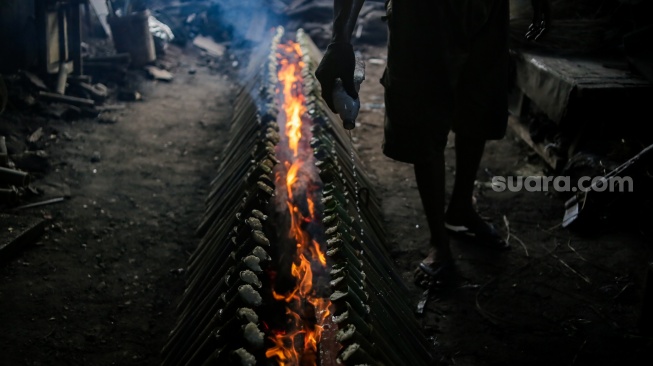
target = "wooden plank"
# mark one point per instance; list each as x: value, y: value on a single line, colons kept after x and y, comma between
x: 102, y: 11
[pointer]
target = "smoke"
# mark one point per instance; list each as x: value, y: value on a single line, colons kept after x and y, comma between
x: 244, y: 20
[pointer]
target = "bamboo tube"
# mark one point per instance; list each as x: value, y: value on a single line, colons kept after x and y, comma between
x: 355, y: 355
x: 243, y: 324
x: 346, y: 270
x: 14, y: 177
x: 348, y: 315
x: 344, y: 253
x: 257, y: 238
x: 339, y: 298
x: 244, y: 358
x: 348, y: 335
x: 347, y: 283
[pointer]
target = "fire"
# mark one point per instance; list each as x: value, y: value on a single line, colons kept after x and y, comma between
x: 293, y: 102
x: 298, y: 345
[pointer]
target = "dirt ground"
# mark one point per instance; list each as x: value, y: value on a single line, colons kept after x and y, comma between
x: 101, y: 285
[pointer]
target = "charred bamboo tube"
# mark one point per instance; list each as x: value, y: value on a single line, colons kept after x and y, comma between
x: 253, y: 335
x: 335, y: 235
x: 355, y: 355
x: 347, y: 283
x: 237, y: 172
x: 383, y: 352
x: 208, y: 304
x: 340, y: 299
x: 372, y: 219
x: 328, y: 171
x: 383, y: 267
x: 249, y: 258
x: 348, y: 335
x: 344, y: 269
x: 388, y: 297
x: 227, y: 333
x: 245, y: 296
x: 339, y: 231
x: 257, y: 239
x: 216, y: 263
x: 190, y: 320
x: 241, y: 232
x: 237, y: 156
x: 214, y: 221
x: 229, y: 356
x: 197, y: 283
x: 254, y: 201
x: 263, y: 168
x: 193, y: 317
x: 245, y: 277
x: 382, y: 293
x: 259, y: 215
x: 350, y: 253
x: 341, y: 196
x: 14, y: 177
x: 344, y: 254
x: 261, y: 254
x: 245, y: 186
x: 244, y: 358
x: 348, y: 315
x: 326, y: 148
x: 252, y: 263
x: 200, y: 281
x: 235, y: 334
x: 217, y: 232
x: 343, y: 215
x: 247, y: 173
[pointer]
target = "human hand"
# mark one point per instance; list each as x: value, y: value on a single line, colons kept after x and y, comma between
x: 541, y: 19
x: 339, y: 61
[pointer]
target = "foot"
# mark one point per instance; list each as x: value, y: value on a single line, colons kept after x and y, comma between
x: 473, y: 228
x: 434, y: 270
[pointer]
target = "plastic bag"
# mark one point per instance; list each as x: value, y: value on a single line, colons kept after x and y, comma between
x: 161, y: 33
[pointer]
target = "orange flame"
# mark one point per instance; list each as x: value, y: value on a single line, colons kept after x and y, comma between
x: 303, y: 295
x: 293, y: 103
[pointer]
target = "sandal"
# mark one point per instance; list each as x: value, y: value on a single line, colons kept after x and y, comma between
x: 436, y: 275
x: 483, y: 234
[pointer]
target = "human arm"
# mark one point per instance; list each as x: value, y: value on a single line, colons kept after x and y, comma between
x: 339, y: 60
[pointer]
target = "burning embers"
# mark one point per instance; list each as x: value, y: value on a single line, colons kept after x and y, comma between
x: 298, y: 185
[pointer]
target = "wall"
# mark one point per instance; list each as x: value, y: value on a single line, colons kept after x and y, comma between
x: 18, y: 40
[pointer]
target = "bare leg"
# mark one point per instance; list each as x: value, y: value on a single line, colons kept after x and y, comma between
x: 469, y: 152
x: 430, y: 177
x: 461, y: 212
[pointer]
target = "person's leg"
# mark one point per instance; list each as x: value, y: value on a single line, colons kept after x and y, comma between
x: 469, y: 152
x: 461, y: 216
x: 430, y: 178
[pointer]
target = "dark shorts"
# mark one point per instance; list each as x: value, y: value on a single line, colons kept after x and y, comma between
x: 447, y: 70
